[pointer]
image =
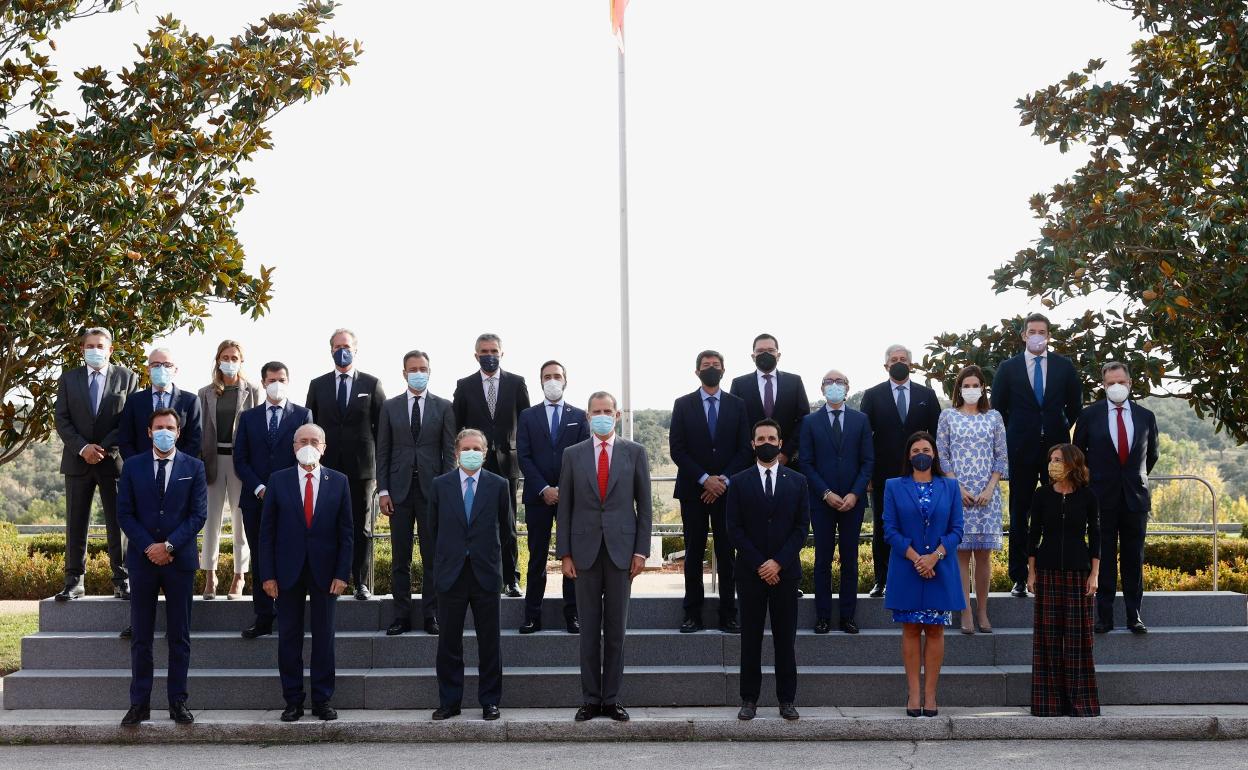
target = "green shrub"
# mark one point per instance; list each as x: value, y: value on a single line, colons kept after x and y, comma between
x: 1191, y: 553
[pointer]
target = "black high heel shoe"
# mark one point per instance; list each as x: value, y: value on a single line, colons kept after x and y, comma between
x: 930, y: 712
x: 914, y: 712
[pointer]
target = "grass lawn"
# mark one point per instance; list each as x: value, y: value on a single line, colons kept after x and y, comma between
x: 12, y: 628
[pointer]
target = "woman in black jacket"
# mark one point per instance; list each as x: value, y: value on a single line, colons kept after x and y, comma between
x: 1063, y: 561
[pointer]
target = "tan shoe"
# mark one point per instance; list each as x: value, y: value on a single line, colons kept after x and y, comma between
x: 210, y: 585
x: 236, y: 588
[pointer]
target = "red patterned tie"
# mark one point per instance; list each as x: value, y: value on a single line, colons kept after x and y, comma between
x: 604, y: 467
x: 307, y: 500
x: 1123, y: 449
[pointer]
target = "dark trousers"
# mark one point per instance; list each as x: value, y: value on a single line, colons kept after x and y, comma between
x: 602, y: 594
x: 827, y: 524
x: 411, y: 515
x: 79, y: 493
x: 694, y: 515
x: 881, y: 551
x: 540, y: 519
x: 260, y: 601
x: 1122, y: 536
x: 361, y: 550
x: 452, y: 610
x: 146, y: 583
x: 291, y: 603
x: 511, y: 549
x: 1026, y: 474
x: 757, y: 599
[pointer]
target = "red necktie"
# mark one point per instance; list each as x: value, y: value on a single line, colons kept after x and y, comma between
x: 1123, y: 449
x: 307, y: 500
x: 604, y: 467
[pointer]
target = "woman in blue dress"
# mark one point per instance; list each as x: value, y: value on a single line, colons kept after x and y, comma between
x: 923, y: 525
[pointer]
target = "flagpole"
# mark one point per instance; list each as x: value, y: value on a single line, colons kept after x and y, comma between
x: 626, y: 394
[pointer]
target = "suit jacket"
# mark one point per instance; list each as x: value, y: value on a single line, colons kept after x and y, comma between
x: 763, y: 527
x: 1028, y: 422
x: 1117, y: 485
x: 397, y: 453
x: 350, y: 438
x: 471, y: 411
x: 695, y: 451
x: 791, y: 405
x: 287, y: 543
x: 255, y: 459
x: 77, y: 426
x: 540, y: 460
x: 132, y: 438
x: 584, y: 520
x: 888, y: 433
x: 479, y: 537
x: 249, y: 395
x: 903, y: 528
x: 844, y: 467
x: 177, y: 519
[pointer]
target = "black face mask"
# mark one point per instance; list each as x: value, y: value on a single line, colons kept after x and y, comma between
x: 765, y: 361
x: 899, y: 371
x: 767, y: 452
x: 710, y: 377
x: 489, y: 364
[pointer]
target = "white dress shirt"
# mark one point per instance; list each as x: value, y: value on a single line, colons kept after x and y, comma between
x: 1031, y: 369
x: 759, y: 375
x: 1126, y: 420
x: 316, y: 482
x: 762, y: 475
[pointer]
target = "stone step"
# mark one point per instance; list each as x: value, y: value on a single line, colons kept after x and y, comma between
x: 373, y: 649
x: 405, y: 688
x: 1162, y: 609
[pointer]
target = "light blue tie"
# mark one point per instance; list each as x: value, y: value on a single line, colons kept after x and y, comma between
x: 468, y: 495
x: 554, y: 424
x: 1037, y: 380
x: 903, y: 407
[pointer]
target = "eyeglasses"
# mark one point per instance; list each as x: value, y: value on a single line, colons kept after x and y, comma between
x: 163, y: 364
x: 837, y: 382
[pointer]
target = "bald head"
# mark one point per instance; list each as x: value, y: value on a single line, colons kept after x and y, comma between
x: 310, y: 435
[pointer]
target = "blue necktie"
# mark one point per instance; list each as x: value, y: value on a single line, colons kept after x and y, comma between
x: 712, y: 416
x: 93, y: 390
x: 554, y: 424
x: 468, y: 496
x: 160, y: 482
x: 1037, y: 380
x: 903, y: 407
x: 160, y: 399
x: 274, y: 411
x: 342, y: 392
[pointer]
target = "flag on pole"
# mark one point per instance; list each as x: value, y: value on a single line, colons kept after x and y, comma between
x: 617, y: 21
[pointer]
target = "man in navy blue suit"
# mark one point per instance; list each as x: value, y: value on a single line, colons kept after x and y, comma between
x: 768, y: 515
x: 132, y: 433
x: 1119, y: 439
x: 306, y: 529
x: 162, y: 504
x: 264, y: 443
x: 470, y: 514
x: 838, y: 456
x: 544, y: 431
x: 709, y: 441
x: 1039, y: 397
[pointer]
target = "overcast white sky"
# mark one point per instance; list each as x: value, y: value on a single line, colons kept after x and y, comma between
x: 843, y: 175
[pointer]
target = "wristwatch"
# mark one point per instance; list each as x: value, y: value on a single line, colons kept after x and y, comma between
x: 168, y: 547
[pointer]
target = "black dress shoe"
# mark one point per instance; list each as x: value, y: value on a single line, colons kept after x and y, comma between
x: 126, y: 633
x: 138, y: 713
x: 512, y: 590
x: 877, y: 591
x: 431, y: 627
x: 788, y: 712
x: 362, y: 593
x: 257, y: 630
x: 445, y: 712
x: 121, y: 592
x: 747, y: 712
x: 823, y: 626
x: 1019, y: 590
x: 615, y: 711
x: 691, y: 625
x: 399, y: 627
x: 574, y: 625
x: 849, y: 626
x: 179, y: 713
x: 489, y: 713
x: 587, y: 712
x: 292, y: 712
x: 324, y: 712
x: 729, y: 626
x: 531, y: 627
x: 1136, y: 626
x: 70, y: 591
x: 1102, y: 627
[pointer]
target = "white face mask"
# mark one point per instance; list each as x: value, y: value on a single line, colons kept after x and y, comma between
x: 553, y: 389
x: 972, y: 395
x: 276, y: 391
x: 1118, y: 392
x: 1037, y: 344
x: 308, y: 455
x: 229, y: 368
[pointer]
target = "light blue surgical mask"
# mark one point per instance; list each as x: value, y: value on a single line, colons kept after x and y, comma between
x: 471, y: 459
x: 602, y: 424
x: 164, y: 439
x: 229, y: 368
x: 161, y: 376
x: 418, y: 380
x: 95, y: 357
x: 834, y: 393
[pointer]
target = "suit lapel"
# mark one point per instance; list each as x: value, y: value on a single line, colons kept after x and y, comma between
x: 591, y: 466
x: 1136, y: 428
x: 617, y: 468
x: 564, y: 416
x: 319, y: 504
x: 478, y: 498
x: 912, y: 489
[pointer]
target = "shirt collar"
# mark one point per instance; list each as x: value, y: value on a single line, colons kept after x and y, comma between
x: 303, y: 472
x: 463, y: 477
x: 1125, y: 404
x: 269, y: 404
x: 411, y: 395
x: 350, y: 374
x: 842, y: 409
x: 762, y: 469
x: 156, y: 459
x: 609, y: 441
x: 487, y: 377
x: 775, y: 374
x: 1032, y: 356
x: 892, y: 386
x: 557, y: 404
x: 706, y: 395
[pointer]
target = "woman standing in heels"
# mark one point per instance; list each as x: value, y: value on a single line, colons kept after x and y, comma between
x: 923, y: 524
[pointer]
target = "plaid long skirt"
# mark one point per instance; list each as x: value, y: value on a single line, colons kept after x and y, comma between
x: 1063, y: 674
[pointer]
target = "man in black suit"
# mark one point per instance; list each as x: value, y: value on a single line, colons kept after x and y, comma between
x: 774, y: 395
x: 768, y: 515
x: 1119, y: 439
x: 896, y: 408
x: 1039, y: 397
x: 491, y: 400
x: 709, y: 441
x: 89, y: 402
x: 346, y: 403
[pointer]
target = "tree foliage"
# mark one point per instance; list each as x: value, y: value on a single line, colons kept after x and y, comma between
x: 121, y: 214
x: 1154, y: 225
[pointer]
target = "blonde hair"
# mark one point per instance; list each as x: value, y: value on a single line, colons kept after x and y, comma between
x: 218, y: 379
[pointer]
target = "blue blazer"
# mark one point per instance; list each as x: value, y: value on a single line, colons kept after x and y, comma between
x: 695, y: 451
x: 479, y: 537
x: 540, y: 461
x: 843, y: 467
x: 287, y: 543
x: 903, y: 528
x: 132, y: 438
x: 144, y: 519
x: 255, y: 459
x: 1027, y: 420
x: 763, y: 528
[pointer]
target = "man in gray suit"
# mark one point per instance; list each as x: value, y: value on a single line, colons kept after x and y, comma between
x: 603, y: 537
x: 89, y: 400
x: 415, y: 444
